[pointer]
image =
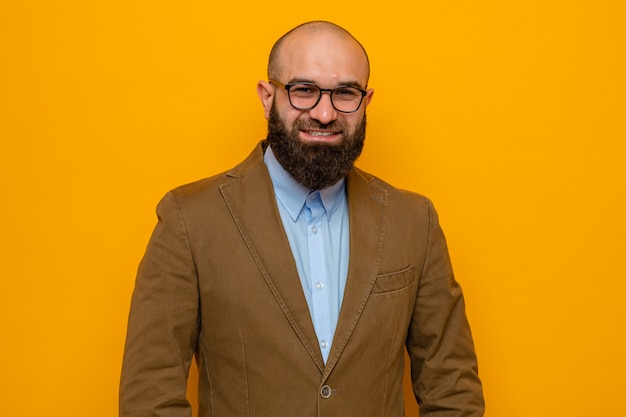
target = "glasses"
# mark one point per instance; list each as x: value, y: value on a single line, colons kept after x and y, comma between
x: 305, y: 96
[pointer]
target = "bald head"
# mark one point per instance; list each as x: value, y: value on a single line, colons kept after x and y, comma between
x: 302, y: 35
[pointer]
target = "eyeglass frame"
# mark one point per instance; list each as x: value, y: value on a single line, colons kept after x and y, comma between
x: 330, y: 92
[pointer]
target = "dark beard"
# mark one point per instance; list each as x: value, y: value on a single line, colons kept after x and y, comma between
x: 314, y: 165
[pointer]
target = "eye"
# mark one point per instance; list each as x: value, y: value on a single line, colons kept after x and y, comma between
x: 346, y: 93
x: 304, y: 90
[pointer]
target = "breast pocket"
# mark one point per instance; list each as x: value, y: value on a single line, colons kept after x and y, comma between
x: 393, y: 281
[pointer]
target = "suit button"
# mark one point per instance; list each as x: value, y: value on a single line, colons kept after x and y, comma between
x: 325, y: 391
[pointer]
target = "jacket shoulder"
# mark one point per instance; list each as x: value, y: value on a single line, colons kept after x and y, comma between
x: 200, y: 190
x: 395, y: 195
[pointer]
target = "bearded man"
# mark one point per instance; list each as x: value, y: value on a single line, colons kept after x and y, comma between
x: 296, y: 279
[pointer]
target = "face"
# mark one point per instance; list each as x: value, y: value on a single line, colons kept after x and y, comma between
x: 317, y: 147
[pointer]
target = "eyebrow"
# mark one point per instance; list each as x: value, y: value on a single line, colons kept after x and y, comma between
x: 340, y: 84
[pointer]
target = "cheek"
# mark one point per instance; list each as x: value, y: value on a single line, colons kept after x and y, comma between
x: 351, y: 121
x: 291, y: 117
x: 283, y: 106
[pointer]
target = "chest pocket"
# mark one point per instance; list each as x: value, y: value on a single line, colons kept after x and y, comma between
x: 393, y: 281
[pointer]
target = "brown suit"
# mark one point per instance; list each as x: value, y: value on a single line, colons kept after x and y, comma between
x: 218, y: 279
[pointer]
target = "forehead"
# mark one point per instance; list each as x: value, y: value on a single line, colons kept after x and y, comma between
x: 326, y: 58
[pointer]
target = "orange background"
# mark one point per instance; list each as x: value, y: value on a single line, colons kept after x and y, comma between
x: 510, y: 115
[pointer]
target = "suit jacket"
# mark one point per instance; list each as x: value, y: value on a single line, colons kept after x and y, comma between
x: 218, y: 280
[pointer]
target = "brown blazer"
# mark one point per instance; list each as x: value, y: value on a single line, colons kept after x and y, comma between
x: 218, y: 280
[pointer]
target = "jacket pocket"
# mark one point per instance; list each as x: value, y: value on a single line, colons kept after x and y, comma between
x: 393, y: 281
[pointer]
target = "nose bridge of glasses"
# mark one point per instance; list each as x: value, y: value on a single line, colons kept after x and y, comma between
x: 330, y: 95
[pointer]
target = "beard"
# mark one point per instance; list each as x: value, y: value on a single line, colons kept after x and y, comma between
x: 314, y: 165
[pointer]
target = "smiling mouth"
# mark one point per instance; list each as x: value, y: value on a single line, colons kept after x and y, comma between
x: 320, y: 134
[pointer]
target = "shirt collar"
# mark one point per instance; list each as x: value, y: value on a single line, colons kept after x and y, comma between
x: 292, y: 194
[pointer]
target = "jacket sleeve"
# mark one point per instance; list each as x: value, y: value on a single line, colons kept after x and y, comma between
x: 163, y: 322
x: 444, y: 368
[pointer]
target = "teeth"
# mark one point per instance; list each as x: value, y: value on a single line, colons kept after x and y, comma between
x: 321, y: 133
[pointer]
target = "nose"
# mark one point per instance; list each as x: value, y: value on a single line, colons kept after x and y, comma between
x: 324, y: 112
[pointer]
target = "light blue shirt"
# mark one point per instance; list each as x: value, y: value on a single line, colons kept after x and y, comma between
x: 319, y: 240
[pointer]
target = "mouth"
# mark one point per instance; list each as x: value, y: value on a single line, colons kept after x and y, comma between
x: 320, y: 135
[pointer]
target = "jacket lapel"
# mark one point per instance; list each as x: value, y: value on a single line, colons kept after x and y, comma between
x: 250, y: 199
x: 368, y: 214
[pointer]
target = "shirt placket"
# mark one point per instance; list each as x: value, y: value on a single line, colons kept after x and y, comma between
x: 316, y: 227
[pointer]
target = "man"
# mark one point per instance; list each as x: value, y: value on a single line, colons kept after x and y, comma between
x: 296, y: 279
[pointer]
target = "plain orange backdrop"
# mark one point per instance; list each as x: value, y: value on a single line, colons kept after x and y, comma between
x: 510, y: 115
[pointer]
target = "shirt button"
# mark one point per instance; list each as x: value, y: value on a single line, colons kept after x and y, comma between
x: 314, y: 230
x: 325, y: 391
x: 324, y: 344
x: 319, y: 286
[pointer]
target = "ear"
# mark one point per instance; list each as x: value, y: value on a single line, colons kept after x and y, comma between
x: 265, y: 91
x: 369, y: 96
